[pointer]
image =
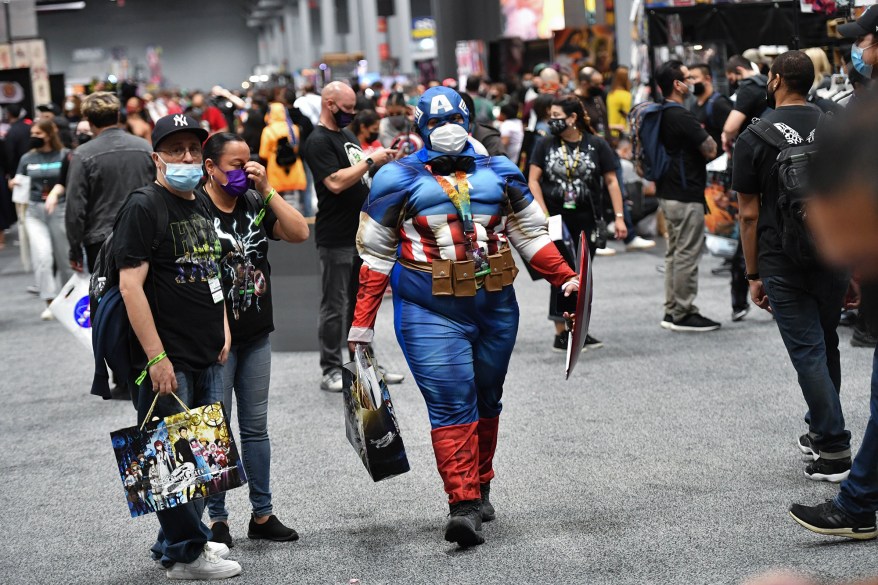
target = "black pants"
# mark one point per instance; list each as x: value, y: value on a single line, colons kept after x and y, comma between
x: 91, y: 255
x: 740, y: 286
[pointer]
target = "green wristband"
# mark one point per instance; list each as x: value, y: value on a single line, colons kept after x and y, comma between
x: 149, y: 364
x: 261, y: 215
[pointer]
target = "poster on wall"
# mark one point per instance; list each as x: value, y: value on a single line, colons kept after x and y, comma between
x: 532, y: 19
x: 593, y: 45
x: 32, y: 54
x: 470, y: 58
x: 15, y: 86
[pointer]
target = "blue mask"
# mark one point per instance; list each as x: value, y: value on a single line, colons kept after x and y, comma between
x: 861, y: 66
x: 182, y: 177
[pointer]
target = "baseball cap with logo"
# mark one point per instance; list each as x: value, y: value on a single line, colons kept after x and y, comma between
x: 173, y: 123
x: 866, y: 24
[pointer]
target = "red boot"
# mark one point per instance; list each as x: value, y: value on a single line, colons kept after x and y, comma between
x: 457, y: 453
x: 487, y: 446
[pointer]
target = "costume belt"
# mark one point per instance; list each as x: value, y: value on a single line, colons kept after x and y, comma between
x: 458, y: 278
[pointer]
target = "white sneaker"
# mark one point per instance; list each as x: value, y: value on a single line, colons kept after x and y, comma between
x: 639, y: 243
x: 47, y: 315
x: 605, y: 252
x: 331, y: 382
x: 217, y: 548
x: 390, y: 377
x: 208, y: 566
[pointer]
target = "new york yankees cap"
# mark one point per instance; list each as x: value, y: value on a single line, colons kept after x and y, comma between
x: 173, y: 123
x: 866, y: 24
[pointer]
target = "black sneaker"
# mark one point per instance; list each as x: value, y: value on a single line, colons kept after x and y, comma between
x: 829, y: 519
x: 667, y: 322
x: 695, y: 323
x: 487, y: 508
x: 739, y: 314
x: 592, y: 343
x: 465, y: 525
x: 220, y: 533
x: 807, y: 447
x: 848, y: 318
x: 862, y: 338
x: 560, y: 344
x: 831, y: 470
x: 272, y: 529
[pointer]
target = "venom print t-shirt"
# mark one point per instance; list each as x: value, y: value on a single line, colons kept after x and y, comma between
x: 188, y: 319
x: 571, y: 166
x: 244, y: 265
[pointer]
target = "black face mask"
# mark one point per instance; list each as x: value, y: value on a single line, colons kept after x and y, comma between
x: 36, y: 143
x: 595, y: 92
x: 699, y: 89
x: 446, y: 165
x: 733, y: 86
x: 372, y: 137
x: 557, y: 126
x: 397, y: 122
x: 342, y: 118
x: 82, y: 138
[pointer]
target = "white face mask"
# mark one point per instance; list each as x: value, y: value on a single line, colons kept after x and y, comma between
x: 449, y: 139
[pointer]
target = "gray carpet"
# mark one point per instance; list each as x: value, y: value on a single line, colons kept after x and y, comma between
x: 668, y: 458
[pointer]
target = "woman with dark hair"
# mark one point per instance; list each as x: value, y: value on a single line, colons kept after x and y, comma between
x: 565, y: 178
x: 45, y: 164
x: 541, y: 107
x: 245, y: 219
x: 397, y: 121
x: 365, y: 127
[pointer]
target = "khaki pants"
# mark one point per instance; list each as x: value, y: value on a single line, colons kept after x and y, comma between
x: 685, y: 226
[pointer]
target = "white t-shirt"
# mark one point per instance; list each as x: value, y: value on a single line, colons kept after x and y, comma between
x: 514, y: 130
x: 310, y: 105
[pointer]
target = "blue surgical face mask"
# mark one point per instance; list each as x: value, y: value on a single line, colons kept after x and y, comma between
x: 861, y: 66
x: 181, y: 176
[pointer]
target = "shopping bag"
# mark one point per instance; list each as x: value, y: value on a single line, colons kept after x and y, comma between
x: 370, y: 422
x: 168, y: 462
x: 71, y: 308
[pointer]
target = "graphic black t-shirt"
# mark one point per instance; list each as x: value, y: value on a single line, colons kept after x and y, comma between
x: 751, y: 175
x: 572, y: 166
x: 682, y: 136
x: 189, y: 322
x: 338, y: 216
x: 712, y: 115
x: 246, y: 273
x: 45, y: 169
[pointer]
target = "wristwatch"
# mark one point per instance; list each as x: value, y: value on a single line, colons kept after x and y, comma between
x: 620, y: 215
x: 752, y: 277
x: 369, y: 162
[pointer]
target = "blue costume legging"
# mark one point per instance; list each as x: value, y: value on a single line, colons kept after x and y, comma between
x: 458, y: 349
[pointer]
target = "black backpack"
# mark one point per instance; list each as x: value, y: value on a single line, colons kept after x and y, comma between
x: 111, y: 330
x: 789, y: 181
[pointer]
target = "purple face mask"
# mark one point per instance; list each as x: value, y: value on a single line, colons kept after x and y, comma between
x: 237, y: 182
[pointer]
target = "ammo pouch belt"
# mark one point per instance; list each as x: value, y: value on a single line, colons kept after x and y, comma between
x: 458, y: 278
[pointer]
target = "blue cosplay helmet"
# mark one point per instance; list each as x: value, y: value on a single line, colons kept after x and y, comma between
x: 442, y: 103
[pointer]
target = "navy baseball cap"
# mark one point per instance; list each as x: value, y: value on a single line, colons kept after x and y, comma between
x: 173, y: 123
x: 866, y: 24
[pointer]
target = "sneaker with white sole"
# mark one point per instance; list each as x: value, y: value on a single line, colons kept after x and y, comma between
x: 390, y: 377
x: 828, y: 519
x: 207, y: 567
x: 695, y: 323
x: 331, y: 382
x: 217, y: 548
x: 638, y: 244
x: 667, y: 322
x: 831, y: 470
x: 806, y: 446
x: 605, y: 252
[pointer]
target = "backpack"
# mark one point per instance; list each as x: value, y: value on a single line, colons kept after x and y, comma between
x: 111, y: 330
x: 788, y: 180
x: 287, y: 152
x: 711, y: 101
x: 651, y: 159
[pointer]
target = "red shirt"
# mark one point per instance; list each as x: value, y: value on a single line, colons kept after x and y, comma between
x: 214, y: 119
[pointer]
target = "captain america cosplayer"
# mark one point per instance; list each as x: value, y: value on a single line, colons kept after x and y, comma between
x: 437, y: 226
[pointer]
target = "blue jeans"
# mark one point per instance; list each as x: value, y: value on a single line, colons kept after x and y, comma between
x: 807, y: 308
x: 248, y: 373
x: 859, y: 492
x: 182, y: 535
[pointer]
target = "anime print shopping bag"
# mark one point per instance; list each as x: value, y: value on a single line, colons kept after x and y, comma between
x: 171, y: 461
x: 370, y: 422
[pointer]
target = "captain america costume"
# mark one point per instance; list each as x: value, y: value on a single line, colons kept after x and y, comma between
x: 457, y: 347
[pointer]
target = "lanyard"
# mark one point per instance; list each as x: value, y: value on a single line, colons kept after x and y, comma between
x: 576, y: 160
x: 461, y: 200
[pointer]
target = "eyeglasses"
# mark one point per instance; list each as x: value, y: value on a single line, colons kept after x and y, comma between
x: 180, y: 152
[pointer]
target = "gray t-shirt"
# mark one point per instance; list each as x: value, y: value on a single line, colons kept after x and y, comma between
x: 45, y: 171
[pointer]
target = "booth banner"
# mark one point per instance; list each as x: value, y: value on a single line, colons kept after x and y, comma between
x: 592, y: 45
x: 168, y: 462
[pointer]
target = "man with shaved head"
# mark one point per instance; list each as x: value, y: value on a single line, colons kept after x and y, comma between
x: 591, y: 94
x: 342, y: 176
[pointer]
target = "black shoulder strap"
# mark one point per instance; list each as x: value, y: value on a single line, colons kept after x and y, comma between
x: 766, y: 131
x: 161, y: 221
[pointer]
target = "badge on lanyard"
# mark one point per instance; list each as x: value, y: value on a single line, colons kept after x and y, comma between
x: 216, y: 289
